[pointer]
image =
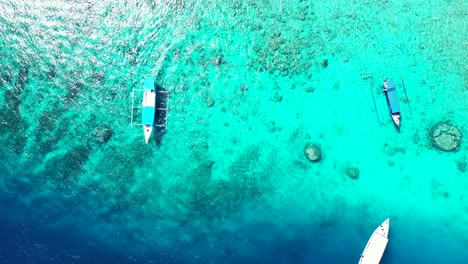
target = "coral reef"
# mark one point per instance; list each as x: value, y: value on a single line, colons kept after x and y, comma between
x: 103, y: 134
x: 67, y: 166
x: 445, y: 136
x: 313, y: 152
x: 352, y: 172
x: 325, y: 63
x: 206, y: 198
x: 209, y: 101
x: 461, y: 165
x: 11, y: 122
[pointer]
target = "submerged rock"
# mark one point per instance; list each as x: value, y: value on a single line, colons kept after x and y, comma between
x: 103, y: 134
x: 313, y: 152
x: 445, y: 136
x: 218, y: 60
x: 325, y: 63
x: 277, y: 98
x: 461, y: 165
x: 209, y: 101
x: 310, y: 90
x: 352, y: 172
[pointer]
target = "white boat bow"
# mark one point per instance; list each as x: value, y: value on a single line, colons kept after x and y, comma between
x: 376, y: 245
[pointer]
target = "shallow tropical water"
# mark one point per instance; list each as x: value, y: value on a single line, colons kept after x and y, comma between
x: 228, y: 182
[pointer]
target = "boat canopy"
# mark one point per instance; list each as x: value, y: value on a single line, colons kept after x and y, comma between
x: 149, y: 83
x: 148, y: 116
x: 149, y: 102
x: 392, y: 96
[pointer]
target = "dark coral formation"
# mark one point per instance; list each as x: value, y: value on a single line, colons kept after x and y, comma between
x: 461, y: 165
x: 66, y: 166
x: 209, y: 101
x: 445, y: 136
x: 352, y: 172
x: 325, y: 63
x: 313, y: 152
x: 203, y: 196
x: 11, y: 121
x: 103, y: 134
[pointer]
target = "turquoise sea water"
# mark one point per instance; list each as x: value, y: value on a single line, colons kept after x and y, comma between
x: 228, y: 181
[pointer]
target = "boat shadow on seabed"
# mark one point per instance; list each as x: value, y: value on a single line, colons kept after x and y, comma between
x: 160, y: 117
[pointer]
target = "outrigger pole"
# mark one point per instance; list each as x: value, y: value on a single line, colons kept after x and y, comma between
x: 407, y: 98
x: 134, y: 107
x: 375, y: 106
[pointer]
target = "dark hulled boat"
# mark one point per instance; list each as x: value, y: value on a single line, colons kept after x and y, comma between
x: 392, y: 101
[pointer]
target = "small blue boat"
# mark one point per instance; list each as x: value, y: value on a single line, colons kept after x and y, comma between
x: 148, y: 107
x: 392, y: 101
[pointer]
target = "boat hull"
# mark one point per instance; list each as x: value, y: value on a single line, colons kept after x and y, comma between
x: 147, y: 130
x: 392, y: 101
x: 148, y: 108
x: 376, y: 245
x: 396, y: 118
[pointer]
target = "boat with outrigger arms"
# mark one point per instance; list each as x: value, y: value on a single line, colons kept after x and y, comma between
x: 393, y: 105
x: 392, y: 101
x: 376, y: 245
x: 149, y: 109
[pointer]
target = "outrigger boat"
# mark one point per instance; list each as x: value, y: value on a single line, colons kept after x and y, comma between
x: 148, y: 108
x: 376, y: 245
x: 392, y: 101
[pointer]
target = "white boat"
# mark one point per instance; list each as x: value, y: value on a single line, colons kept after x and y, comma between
x: 376, y: 245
